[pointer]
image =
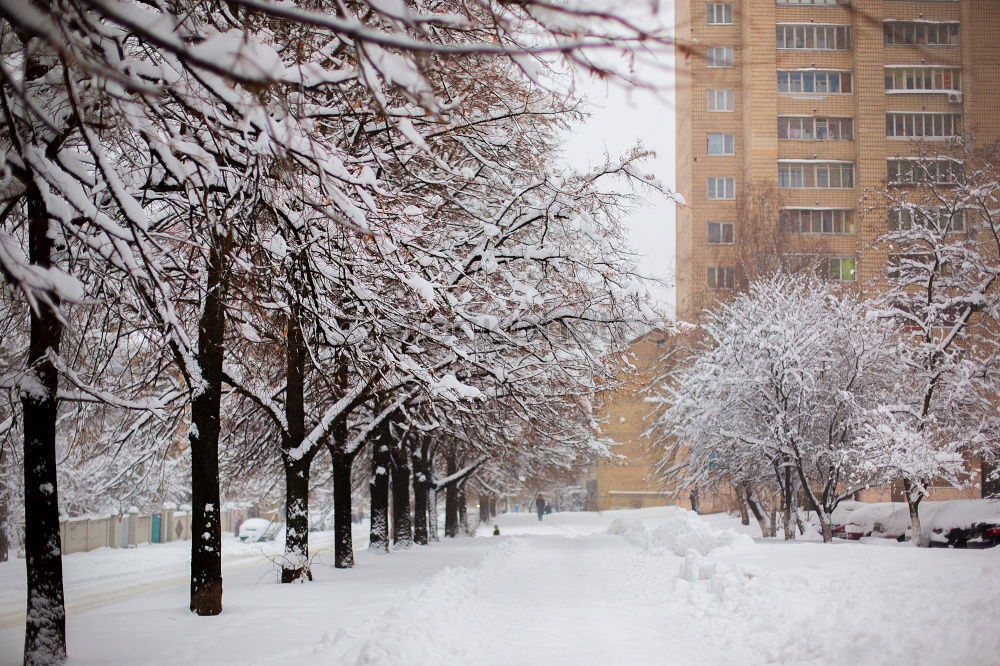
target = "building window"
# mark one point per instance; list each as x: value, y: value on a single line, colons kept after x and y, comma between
x: 814, y: 81
x: 719, y: 56
x: 719, y: 13
x: 721, y: 144
x: 927, y: 125
x: 920, y: 33
x: 826, y: 175
x: 812, y: 37
x: 922, y: 79
x: 720, y: 277
x: 915, y: 171
x: 721, y: 188
x: 816, y: 221
x: 904, y: 219
x: 807, y: 128
x: 720, y: 100
x: 813, y: 2
x: 828, y: 268
x: 721, y: 233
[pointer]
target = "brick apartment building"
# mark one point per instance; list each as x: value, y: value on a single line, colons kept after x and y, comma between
x: 818, y: 99
x: 812, y: 101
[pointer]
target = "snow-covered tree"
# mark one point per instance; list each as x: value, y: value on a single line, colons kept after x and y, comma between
x: 941, y: 211
x: 771, y: 396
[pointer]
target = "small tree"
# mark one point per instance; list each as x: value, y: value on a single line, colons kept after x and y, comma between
x: 772, y: 395
x: 942, y: 219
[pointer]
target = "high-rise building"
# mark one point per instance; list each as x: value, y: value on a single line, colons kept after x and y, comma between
x: 808, y: 103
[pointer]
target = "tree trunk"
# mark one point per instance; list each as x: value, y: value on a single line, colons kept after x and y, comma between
x: 913, y: 498
x: 484, y: 509
x: 343, y: 540
x: 4, y: 512
x: 45, y: 627
x: 741, y: 498
x: 787, y: 505
x: 296, y: 562
x: 451, y: 499
x: 206, y: 533
x: 766, y: 526
x: 378, y: 539
x: 493, y: 507
x: 463, y: 509
x: 432, y: 510
x: 402, y: 530
x: 420, y: 489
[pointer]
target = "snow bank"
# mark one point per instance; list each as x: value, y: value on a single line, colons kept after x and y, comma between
x: 688, y: 534
x: 682, y: 534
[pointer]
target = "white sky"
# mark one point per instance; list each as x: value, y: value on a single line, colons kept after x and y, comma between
x: 619, y: 120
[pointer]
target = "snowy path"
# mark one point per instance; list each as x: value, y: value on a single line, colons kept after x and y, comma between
x: 676, y: 589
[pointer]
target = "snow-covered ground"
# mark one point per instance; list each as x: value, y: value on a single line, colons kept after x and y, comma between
x: 652, y: 586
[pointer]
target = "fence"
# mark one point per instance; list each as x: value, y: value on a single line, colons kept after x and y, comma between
x: 131, y: 529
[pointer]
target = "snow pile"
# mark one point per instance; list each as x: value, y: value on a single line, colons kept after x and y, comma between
x: 684, y: 533
x: 631, y: 530
x: 689, y: 534
x: 701, y: 580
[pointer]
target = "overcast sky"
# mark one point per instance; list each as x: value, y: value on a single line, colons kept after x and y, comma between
x: 619, y: 120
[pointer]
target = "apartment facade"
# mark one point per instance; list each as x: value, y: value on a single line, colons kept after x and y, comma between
x: 628, y: 479
x: 815, y: 101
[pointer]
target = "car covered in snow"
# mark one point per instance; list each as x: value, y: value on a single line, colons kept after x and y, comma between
x: 973, y: 523
x: 966, y: 524
x: 257, y: 529
x: 854, y: 520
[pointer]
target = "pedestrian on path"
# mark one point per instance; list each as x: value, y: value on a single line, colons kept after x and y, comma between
x: 540, y: 506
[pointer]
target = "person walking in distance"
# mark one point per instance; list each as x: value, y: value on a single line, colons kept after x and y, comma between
x: 540, y: 506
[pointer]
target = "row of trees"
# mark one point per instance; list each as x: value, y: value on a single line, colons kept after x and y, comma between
x: 239, y: 237
x: 800, y: 388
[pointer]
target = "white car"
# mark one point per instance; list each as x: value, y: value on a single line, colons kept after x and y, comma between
x: 256, y: 529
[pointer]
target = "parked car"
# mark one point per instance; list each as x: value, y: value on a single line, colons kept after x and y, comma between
x: 978, y: 535
x: 257, y: 529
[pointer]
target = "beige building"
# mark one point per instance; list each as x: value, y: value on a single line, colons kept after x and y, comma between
x: 629, y: 480
x: 788, y: 111
x: 815, y: 101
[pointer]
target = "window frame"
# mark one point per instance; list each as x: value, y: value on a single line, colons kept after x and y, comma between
x: 892, y: 29
x: 814, y: 81
x: 728, y: 98
x: 821, y: 175
x: 722, y: 238
x: 892, y: 177
x: 958, y: 225
x: 810, y: 128
x: 817, y: 221
x: 712, y: 188
x: 713, y: 8
x: 711, y: 60
x: 721, y: 278
x: 912, y: 121
x: 728, y: 143
x: 808, y: 36
x: 902, y: 79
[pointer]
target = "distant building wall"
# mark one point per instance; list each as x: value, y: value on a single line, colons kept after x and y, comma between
x: 628, y: 480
